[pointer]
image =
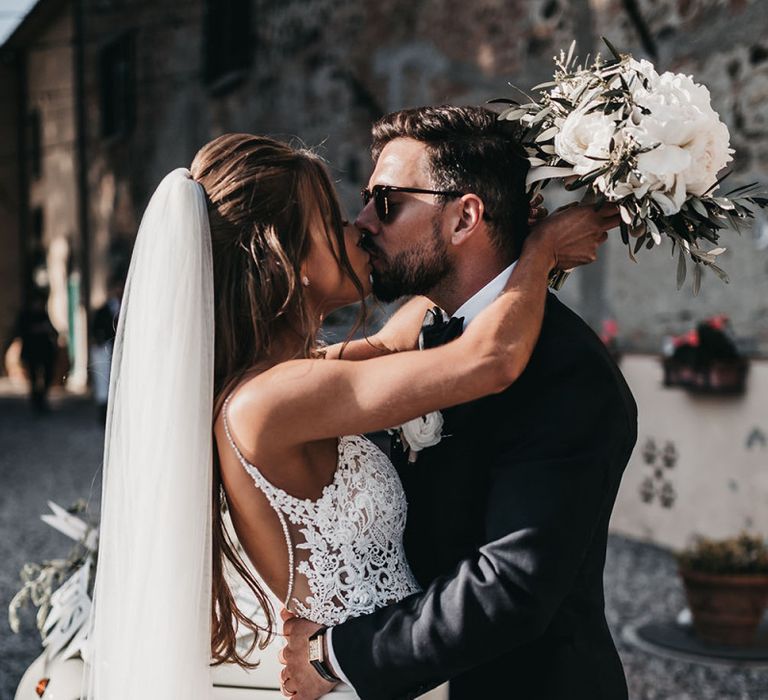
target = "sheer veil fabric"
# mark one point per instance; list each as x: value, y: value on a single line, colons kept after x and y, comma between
x: 151, y: 619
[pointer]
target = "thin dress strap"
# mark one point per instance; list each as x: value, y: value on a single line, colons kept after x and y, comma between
x: 269, y: 491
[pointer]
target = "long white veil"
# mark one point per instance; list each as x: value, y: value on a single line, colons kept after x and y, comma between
x: 150, y: 630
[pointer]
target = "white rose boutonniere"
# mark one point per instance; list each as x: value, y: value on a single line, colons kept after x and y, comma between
x: 421, y: 432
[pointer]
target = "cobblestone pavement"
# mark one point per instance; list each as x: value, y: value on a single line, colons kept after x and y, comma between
x: 57, y: 456
x: 641, y: 583
x: 54, y: 456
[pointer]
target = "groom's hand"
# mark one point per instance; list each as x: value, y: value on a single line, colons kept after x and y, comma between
x: 298, y: 679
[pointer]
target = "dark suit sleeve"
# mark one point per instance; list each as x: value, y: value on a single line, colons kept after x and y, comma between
x: 546, y: 498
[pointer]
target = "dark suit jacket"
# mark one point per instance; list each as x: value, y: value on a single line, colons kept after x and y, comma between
x: 507, y: 530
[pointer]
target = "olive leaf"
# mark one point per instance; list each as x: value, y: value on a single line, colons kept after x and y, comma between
x: 699, y: 207
x: 697, y: 269
x: 681, y: 269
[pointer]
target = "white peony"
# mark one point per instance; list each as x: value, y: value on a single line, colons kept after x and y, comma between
x: 583, y: 138
x: 689, y: 143
x: 421, y: 432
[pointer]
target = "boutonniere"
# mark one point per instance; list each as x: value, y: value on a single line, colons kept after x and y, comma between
x: 421, y: 432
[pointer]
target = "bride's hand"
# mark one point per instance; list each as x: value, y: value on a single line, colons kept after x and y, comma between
x: 574, y: 233
x: 536, y: 212
x: 298, y: 679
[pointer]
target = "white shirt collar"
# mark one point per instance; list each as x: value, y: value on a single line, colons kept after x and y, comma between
x: 476, y: 303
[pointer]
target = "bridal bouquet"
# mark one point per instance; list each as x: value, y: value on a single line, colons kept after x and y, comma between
x: 649, y: 142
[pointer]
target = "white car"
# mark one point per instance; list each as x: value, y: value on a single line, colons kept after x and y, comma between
x: 60, y: 680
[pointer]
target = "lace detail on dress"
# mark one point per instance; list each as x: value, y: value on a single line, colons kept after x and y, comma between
x: 345, y: 549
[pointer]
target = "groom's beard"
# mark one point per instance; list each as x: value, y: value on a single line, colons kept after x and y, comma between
x: 414, y: 271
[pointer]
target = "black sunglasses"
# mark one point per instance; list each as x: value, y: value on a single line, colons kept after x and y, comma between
x: 380, y: 195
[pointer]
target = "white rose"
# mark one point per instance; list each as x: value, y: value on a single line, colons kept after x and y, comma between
x: 421, y: 432
x: 583, y: 138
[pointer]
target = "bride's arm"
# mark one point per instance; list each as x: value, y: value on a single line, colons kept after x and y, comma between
x: 399, y: 333
x: 305, y: 400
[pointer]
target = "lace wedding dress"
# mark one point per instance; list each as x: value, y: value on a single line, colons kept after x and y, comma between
x: 345, y: 549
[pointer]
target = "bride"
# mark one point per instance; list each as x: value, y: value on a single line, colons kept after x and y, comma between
x: 236, y: 263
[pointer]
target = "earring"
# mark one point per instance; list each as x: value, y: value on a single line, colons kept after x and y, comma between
x: 305, y: 280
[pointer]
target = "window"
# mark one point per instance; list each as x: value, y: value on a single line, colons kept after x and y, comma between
x: 116, y: 87
x: 227, y: 43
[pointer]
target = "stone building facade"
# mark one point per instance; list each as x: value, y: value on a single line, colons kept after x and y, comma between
x: 161, y: 78
x: 40, y: 236
x: 10, y: 204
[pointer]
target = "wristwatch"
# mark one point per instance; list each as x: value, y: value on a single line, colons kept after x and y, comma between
x: 317, y: 656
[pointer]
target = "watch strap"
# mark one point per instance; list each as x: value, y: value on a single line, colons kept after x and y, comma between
x: 317, y: 656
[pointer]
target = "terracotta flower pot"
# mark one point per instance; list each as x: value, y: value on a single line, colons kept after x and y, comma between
x: 726, y: 609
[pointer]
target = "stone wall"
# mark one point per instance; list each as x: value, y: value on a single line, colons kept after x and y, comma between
x: 322, y: 70
x: 40, y: 235
x: 10, y: 271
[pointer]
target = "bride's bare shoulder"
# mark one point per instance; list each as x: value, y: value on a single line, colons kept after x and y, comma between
x: 250, y: 403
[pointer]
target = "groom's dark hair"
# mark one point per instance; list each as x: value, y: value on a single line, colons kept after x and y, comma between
x: 470, y: 150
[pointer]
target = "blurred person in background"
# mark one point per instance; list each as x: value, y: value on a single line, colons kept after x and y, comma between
x: 39, y: 342
x: 103, y: 329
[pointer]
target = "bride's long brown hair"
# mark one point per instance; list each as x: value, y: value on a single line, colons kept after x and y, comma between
x: 261, y: 197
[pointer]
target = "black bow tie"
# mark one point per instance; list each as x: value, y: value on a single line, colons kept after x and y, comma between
x: 437, y: 330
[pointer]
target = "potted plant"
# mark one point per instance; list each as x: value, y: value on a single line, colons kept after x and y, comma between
x: 706, y: 360
x: 726, y: 583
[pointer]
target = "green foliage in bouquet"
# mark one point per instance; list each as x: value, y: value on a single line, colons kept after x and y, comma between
x: 649, y: 142
x: 745, y: 554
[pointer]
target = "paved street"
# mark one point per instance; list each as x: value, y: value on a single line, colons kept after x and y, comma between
x: 50, y: 457
x: 57, y: 457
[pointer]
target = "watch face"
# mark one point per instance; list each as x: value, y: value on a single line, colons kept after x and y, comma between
x: 315, y: 650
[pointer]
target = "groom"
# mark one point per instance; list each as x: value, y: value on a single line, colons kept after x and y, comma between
x: 508, y: 514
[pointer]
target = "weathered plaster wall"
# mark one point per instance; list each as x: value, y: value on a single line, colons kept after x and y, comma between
x: 701, y: 462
